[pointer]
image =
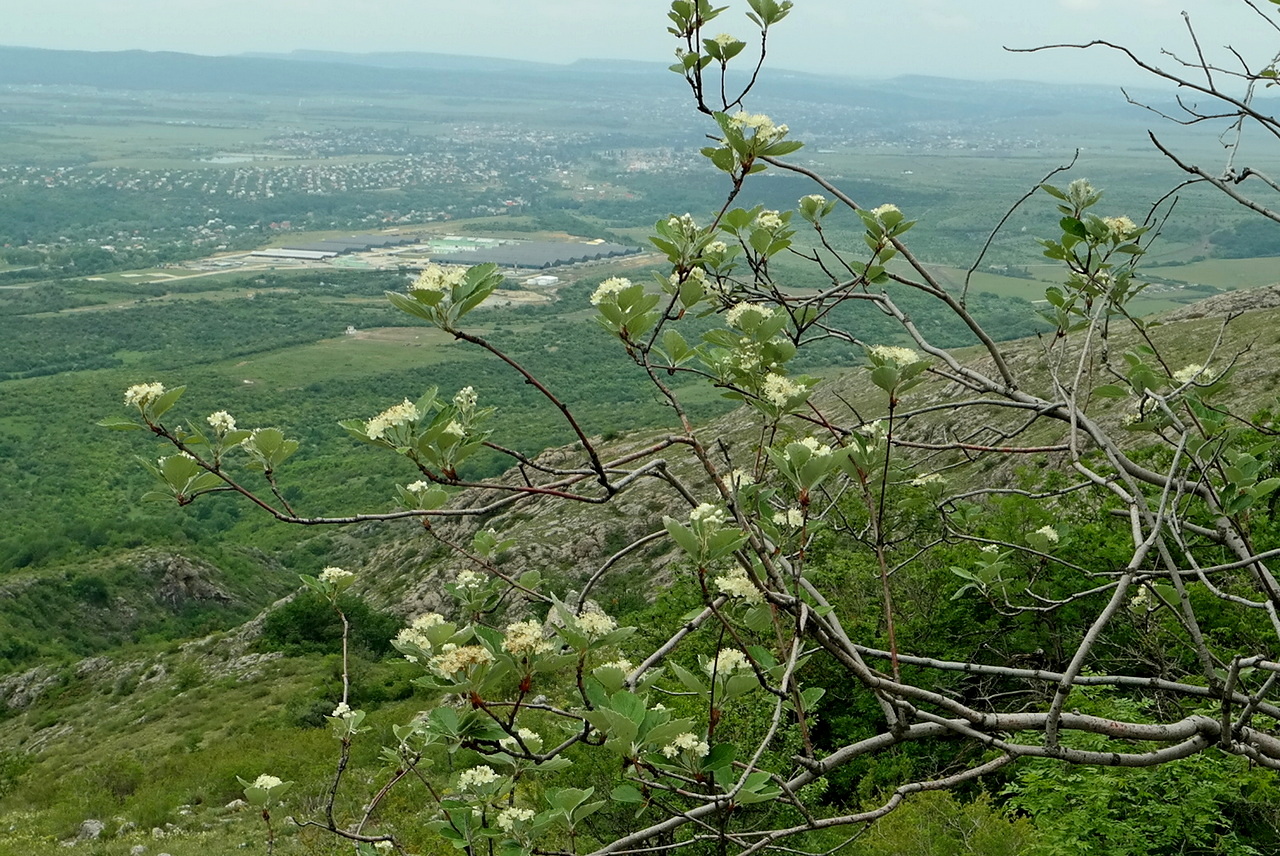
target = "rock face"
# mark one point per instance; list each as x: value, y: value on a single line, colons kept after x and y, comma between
x: 20, y: 691
x: 181, y: 581
x: 1231, y: 303
x: 91, y: 830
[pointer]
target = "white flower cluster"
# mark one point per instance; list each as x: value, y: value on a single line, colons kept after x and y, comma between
x: 399, y: 414
x: 416, y: 633
x: 686, y: 742
x: 819, y: 449
x: 417, y: 487
x: 685, y: 223
x: 708, y: 515
x: 873, y: 431
x: 335, y: 576
x: 761, y: 125
x: 511, y: 817
x: 142, y: 394
x: 622, y: 664
x: 1121, y: 228
x: 465, y: 398
x: 724, y: 40
x: 222, y: 421
x: 455, y: 429
x: 456, y: 659
x: 476, y: 777
x: 1187, y: 374
x: 524, y: 639
x: 267, y: 782
x: 990, y: 548
x: 612, y: 285
x: 738, y: 479
x: 733, y: 317
x: 695, y: 275
x: 1050, y: 534
x: 888, y: 208
x: 343, y: 711
x: 736, y: 583
x: 817, y: 198
x: 898, y: 356
x: 770, y: 221
x: 470, y: 580
x: 596, y: 624
x: 778, y: 390
x: 792, y: 517
x: 726, y: 662
x: 438, y: 279
x: 531, y: 739
x: 717, y: 248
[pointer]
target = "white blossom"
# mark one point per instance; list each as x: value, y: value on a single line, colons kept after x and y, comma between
x: 770, y: 221
x: 736, y: 583
x: 595, y: 624
x: 465, y: 399
x: 267, y: 782
x: 724, y: 40
x: 1121, y: 228
x: 530, y: 737
x: 1050, y: 534
x: 460, y: 659
x: 335, y: 576
x: 1187, y: 374
x: 990, y: 548
x: 470, y: 580
x: 524, y: 638
x: 898, y: 356
x: 881, y: 210
x: 733, y: 317
x: 708, y: 514
x: 438, y: 279
x: 817, y: 198
x: 141, y: 394
x: 399, y: 414
x: 686, y: 742
x: 739, y: 479
x: 418, y: 487
x: 454, y: 428
x: 622, y: 664
x: 728, y: 661
x: 222, y: 421
x: 761, y: 126
x: 778, y: 390
x: 611, y: 286
x: 817, y: 448
x: 717, y: 248
x: 477, y: 776
x: 792, y: 517
x: 511, y: 817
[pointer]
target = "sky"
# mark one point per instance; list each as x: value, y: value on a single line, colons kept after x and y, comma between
x: 947, y: 38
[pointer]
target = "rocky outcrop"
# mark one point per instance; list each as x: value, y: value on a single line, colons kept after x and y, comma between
x: 181, y: 581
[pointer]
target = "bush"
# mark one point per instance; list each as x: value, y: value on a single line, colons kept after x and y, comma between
x: 308, y: 624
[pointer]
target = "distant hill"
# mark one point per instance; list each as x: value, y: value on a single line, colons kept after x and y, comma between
x: 312, y: 72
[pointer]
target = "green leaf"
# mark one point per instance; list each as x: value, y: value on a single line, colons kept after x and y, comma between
x: 164, y: 402
x: 626, y: 794
x: 119, y: 425
x: 1072, y: 226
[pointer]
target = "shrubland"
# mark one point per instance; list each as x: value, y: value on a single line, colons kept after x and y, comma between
x: 1015, y: 598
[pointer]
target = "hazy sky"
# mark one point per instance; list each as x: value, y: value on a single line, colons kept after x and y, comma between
x: 880, y: 39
